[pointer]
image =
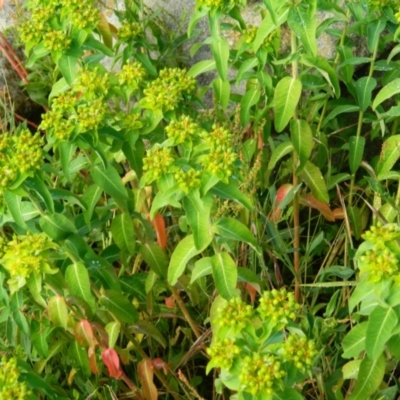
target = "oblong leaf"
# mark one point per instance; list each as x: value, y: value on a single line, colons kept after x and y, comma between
x: 369, y: 378
x: 389, y: 155
x: 281, y: 151
x: 118, y: 305
x: 58, y: 311
x: 220, y: 50
x: 302, y: 140
x: 380, y: 326
x: 184, y: 251
x: 202, y: 267
x: 123, y: 233
x: 77, y: 278
x: 312, y: 176
x: 286, y: 97
x: 388, y: 91
x: 356, y: 152
x: 364, y: 88
x: 155, y: 258
x: 354, y: 342
x: 231, y: 228
x: 225, y: 275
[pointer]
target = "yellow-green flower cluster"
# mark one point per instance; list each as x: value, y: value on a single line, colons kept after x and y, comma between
x: 223, y: 353
x: 279, y: 306
x: 92, y: 83
x: 380, y: 260
x: 235, y: 314
x: 188, y: 180
x: 221, y: 4
x: 132, y: 74
x: 157, y: 162
x: 40, y: 24
x: 10, y: 386
x: 182, y: 130
x: 260, y: 374
x: 168, y: 89
x: 300, y: 351
x: 250, y: 33
x: 91, y: 114
x: 56, y: 40
x: 23, y: 257
x: 19, y: 154
x: 83, y: 108
x: 129, y: 30
x: 222, y: 156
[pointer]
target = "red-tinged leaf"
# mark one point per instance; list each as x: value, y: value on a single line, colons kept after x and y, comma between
x: 170, y: 302
x: 92, y: 361
x: 252, y: 292
x: 310, y: 201
x: 282, y: 192
x: 84, y: 334
x: 159, y: 364
x: 146, y: 373
x: 111, y: 361
x: 276, y: 215
x: 338, y: 213
x: 101, y: 334
x: 159, y: 226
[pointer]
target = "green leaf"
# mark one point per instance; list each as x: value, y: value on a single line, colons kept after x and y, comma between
x: 325, y: 69
x: 267, y: 25
x: 302, y: 140
x: 58, y: 311
x: 56, y: 226
x: 78, y: 356
x: 279, y: 152
x: 201, y: 67
x: 354, y: 214
x: 93, y: 44
x: 34, y: 283
x: 287, y: 394
x: 110, y: 181
x: 364, y: 88
x: 245, y: 66
x: 69, y: 68
x: 249, y: 99
x: 389, y: 155
x: 37, y: 186
x: 374, y: 30
x: 362, y: 292
x: 195, y: 18
x: 346, y: 108
x: 77, y: 278
x: 147, y: 328
x: 369, y: 378
x: 198, y: 217
x: 39, y: 338
x: 59, y: 87
x: 387, y: 92
x: 354, y: 342
x: 356, y: 152
x: 91, y: 197
x: 202, y: 267
x: 286, y: 97
x: 220, y: 50
x: 305, y: 28
x: 67, y: 150
x: 118, y: 305
x: 233, y: 229
x: 222, y: 90
x: 231, y: 191
x: 184, y: 251
x: 225, y: 275
x: 113, y: 329
x: 155, y: 258
x: 380, y: 326
x: 123, y: 233
x: 313, y: 178
x: 14, y: 205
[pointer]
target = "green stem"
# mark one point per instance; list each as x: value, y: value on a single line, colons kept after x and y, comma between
x: 296, y: 206
x: 185, y: 312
